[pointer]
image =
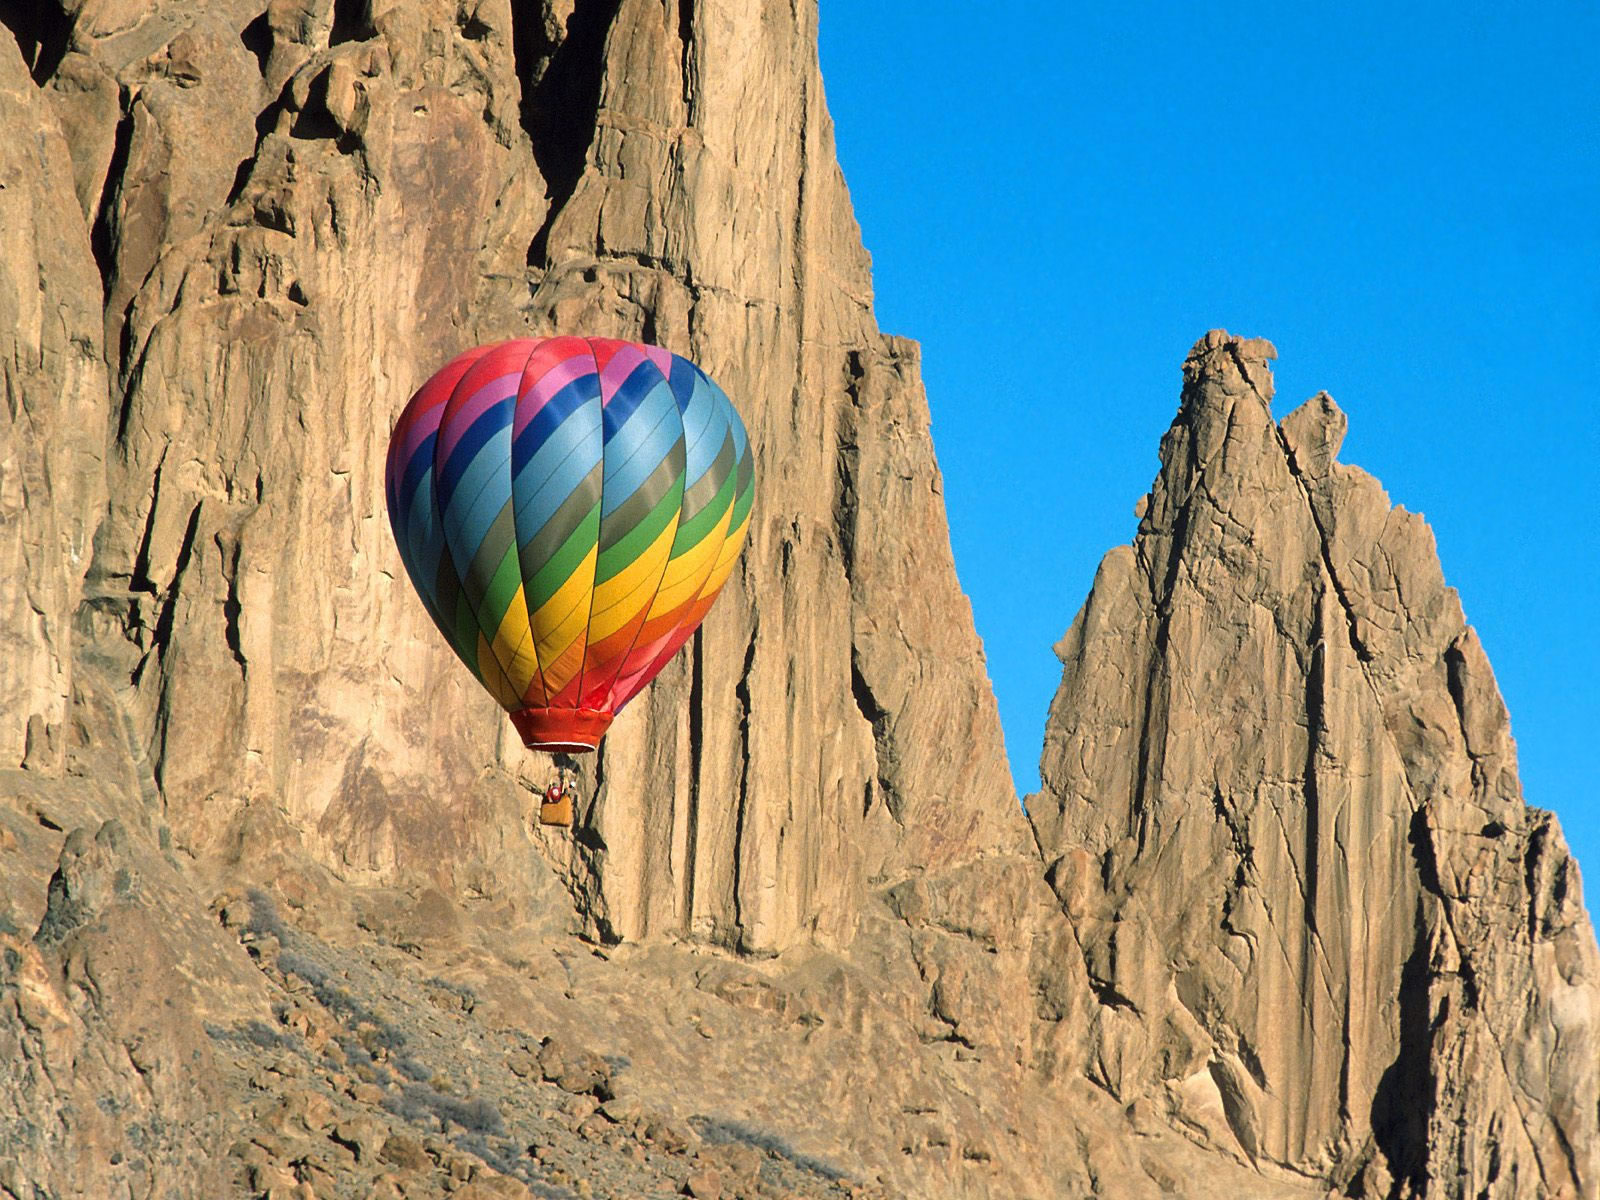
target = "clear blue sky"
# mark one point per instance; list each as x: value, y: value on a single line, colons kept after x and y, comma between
x: 1404, y: 198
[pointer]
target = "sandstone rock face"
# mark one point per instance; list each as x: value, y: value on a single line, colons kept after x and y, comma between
x: 1281, y: 807
x: 300, y: 213
x: 109, y: 1076
x: 269, y: 878
x: 52, y: 423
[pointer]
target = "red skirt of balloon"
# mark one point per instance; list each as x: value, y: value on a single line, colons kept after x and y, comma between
x: 561, y: 730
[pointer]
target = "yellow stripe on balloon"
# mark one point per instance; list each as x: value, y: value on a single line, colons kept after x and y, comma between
x: 686, y: 573
x: 513, y: 645
x: 554, y: 643
x: 624, y: 596
x: 725, y: 560
x: 572, y: 595
x: 561, y: 619
x: 494, y: 676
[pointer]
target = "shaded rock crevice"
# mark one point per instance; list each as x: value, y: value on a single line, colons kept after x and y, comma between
x: 560, y: 71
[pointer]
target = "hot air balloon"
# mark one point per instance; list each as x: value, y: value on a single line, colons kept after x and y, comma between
x: 568, y: 509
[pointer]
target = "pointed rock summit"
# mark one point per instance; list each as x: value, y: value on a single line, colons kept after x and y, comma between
x: 1281, y: 807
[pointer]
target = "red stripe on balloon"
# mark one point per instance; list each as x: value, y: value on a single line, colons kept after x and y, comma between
x: 478, y: 391
x: 422, y: 413
x: 552, y: 365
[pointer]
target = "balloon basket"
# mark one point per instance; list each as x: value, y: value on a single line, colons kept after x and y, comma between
x: 556, y: 812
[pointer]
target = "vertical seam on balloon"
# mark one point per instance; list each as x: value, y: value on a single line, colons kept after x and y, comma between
x: 699, y: 592
x: 492, y: 637
x: 600, y: 529
x: 444, y: 539
x: 622, y: 660
x: 445, y: 553
x: 408, y: 559
x: 445, y: 556
x: 516, y: 531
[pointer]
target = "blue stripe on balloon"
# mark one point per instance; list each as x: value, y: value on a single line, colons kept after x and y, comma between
x: 472, y: 463
x: 630, y: 394
x: 691, y: 398
x: 682, y: 378
x: 538, y: 499
x: 580, y: 427
x: 403, y: 541
x: 551, y: 417
x: 622, y: 436
x: 482, y: 492
x: 421, y: 463
x: 639, y: 447
x: 494, y: 420
x: 424, y: 540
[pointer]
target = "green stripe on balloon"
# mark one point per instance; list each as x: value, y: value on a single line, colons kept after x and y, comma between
x: 747, y: 494
x: 704, y: 522
x: 617, y: 557
x: 558, y: 568
x: 502, y: 591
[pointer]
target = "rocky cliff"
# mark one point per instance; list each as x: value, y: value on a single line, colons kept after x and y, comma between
x: 1281, y: 806
x: 275, y: 919
x: 296, y: 214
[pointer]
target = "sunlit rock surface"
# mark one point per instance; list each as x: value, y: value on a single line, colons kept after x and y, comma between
x: 1281, y: 806
x: 275, y: 917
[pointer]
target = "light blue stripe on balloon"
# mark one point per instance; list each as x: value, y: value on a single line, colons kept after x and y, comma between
x: 534, y: 512
x: 487, y: 482
x: 740, y: 440
x: 577, y: 424
x: 702, y: 434
x: 621, y: 440
x: 659, y: 425
x: 558, y: 466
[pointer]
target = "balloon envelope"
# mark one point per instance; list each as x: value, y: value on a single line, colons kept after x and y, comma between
x: 568, y: 509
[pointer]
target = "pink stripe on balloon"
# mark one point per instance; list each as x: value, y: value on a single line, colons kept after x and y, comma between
x: 615, y: 373
x: 498, y: 390
x: 492, y: 379
x: 533, y: 399
x: 629, y: 682
x: 419, y: 424
x: 422, y: 414
x: 661, y: 358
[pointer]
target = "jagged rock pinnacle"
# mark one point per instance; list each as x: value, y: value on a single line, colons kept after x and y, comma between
x: 1272, y: 721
